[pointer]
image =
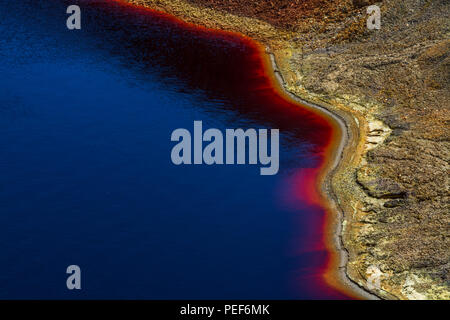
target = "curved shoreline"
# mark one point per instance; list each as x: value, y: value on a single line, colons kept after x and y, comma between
x: 336, y: 266
x: 326, y: 174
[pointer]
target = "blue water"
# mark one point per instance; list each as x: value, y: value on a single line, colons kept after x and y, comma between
x: 86, y: 177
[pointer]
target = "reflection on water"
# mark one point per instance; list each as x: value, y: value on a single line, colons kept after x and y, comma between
x: 85, y: 170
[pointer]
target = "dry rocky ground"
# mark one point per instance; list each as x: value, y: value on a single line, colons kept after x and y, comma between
x: 392, y: 87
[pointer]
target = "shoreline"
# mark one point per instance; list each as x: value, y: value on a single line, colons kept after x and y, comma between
x: 332, y: 160
x: 335, y: 273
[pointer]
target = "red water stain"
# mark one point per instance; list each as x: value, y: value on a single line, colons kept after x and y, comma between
x: 302, y: 188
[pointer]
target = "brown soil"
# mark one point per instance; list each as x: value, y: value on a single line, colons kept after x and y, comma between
x: 287, y: 14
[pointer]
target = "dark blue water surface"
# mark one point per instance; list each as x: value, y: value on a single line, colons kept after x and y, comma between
x: 85, y: 170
